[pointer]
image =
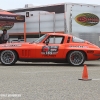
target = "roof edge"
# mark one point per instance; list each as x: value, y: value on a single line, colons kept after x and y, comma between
x: 69, y: 3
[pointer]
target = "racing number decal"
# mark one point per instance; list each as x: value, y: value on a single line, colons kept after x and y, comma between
x: 49, y: 50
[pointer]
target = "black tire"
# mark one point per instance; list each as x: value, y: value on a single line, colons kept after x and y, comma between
x: 76, y: 58
x: 8, y: 57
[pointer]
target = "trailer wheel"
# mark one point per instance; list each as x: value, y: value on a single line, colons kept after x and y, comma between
x: 76, y: 58
x: 8, y: 57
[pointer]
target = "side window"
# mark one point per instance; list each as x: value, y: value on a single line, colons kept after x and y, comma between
x: 56, y: 39
x: 51, y: 39
x: 59, y: 40
x: 68, y: 40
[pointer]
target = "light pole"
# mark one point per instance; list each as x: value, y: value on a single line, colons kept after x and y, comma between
x: 39, y: 25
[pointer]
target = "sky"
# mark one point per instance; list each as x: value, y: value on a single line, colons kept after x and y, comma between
x: 14, y: 4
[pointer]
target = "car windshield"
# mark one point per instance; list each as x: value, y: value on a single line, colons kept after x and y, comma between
x: 40, y: 39
x: 76, y: 39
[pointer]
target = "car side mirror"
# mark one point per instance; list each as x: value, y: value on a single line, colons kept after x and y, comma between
x: 47, y: 42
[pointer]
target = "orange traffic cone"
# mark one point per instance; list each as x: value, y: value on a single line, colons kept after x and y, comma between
x: 85, y: 74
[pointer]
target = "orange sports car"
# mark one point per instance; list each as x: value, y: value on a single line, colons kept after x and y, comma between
x: 51, y: 47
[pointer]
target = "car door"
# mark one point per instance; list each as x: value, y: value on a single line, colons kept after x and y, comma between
x: 52, y: 47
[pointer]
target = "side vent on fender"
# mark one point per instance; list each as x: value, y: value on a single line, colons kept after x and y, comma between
x: 26, y: 53
x: 68, y: 40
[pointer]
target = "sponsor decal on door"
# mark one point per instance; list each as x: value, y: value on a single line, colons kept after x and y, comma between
x: 49, y: 50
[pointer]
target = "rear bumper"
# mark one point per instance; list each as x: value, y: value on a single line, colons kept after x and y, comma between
x: 96, y: 54
x: 93, y: 56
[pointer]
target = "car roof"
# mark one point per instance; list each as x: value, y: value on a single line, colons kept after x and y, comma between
x: 61, y: 34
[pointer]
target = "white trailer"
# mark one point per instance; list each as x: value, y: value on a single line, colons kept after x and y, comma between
x: 81, y: 20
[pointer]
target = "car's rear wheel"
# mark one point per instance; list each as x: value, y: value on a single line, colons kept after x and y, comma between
x: 76, y: 58
x: 8, y: 57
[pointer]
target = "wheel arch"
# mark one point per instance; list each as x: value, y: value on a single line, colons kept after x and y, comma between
x: 77, y: 50
x: 11, y: 50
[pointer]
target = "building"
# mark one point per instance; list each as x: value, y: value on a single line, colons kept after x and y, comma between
x: 81, y: 20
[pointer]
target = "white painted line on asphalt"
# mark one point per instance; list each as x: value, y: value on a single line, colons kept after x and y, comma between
x: 48, y: 71
x: 26, y: 72
x: 79, y: 70
x: 94, y: 69
x: 95, y: 79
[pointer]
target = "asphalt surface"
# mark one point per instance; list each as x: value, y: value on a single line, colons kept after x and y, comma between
x: 38, y: 81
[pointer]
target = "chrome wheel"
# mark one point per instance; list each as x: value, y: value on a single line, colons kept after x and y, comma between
x: 76, y: 58
x: 7, y: 57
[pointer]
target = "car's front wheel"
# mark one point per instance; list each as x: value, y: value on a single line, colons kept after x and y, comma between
x: 8, y: 57
x: 76, y: 58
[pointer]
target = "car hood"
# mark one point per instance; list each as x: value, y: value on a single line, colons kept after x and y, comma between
x: 14, y: 44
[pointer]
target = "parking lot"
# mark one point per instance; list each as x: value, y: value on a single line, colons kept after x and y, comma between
x: 49, y: 81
